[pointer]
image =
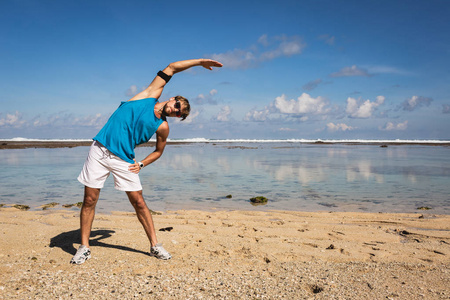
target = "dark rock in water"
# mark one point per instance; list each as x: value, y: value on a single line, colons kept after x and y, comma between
x: 78, y: 204
x: 21, y: 207
x: 383, y: 146
x: 228, y: 196
x: 327, y: 204
x: 424, y: 208
x: 49, y: 205
x: 260, y: 200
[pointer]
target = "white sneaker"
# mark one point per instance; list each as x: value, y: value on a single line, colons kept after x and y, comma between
x: 82, y: 255
x: 159, y: 252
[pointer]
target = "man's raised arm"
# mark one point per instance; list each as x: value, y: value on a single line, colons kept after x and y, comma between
x: 182, y: 65
x: 154, y: 90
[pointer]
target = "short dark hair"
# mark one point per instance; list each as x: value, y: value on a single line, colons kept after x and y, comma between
x: 185, y: 107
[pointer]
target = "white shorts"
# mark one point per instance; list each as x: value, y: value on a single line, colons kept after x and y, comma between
x: 100, y: 163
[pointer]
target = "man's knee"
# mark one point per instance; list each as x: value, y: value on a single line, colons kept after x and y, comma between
x: 136, y: 199
x: 90, y: 196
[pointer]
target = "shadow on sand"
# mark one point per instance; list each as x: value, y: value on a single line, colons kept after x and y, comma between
x: 66, y: 241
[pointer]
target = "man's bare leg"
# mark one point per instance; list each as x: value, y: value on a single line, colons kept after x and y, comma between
x: 144, y: 215
x: 87, y: 213
x: 86, y: 218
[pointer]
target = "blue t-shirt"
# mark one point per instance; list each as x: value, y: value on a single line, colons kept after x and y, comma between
x: 133, y: 123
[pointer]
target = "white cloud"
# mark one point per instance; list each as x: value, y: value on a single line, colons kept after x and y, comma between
x: 206, y: 99
x: 300, y: 108
x: 415, y: 102
x: 305, y: 104
x: 288, y: 46
x: 339, y: 127
x: 286, y: 129
x: 192, y: 116
x: 13, y: 120
x: 257, y: 115
x: 388, y: 70
x: 265, y: 49
x: 351, y: 71
x: 96, y: 121
x: 391, y: 126
x: 132, y: 90
x: 264, y: 40
x: 235, y: 59
x: 223, y: 115
x: 363, y: 110
x: 66, y: 120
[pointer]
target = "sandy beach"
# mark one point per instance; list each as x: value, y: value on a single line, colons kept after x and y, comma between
x: 228, y: 255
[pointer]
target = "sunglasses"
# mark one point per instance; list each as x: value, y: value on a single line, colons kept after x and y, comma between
x: 177, y: 105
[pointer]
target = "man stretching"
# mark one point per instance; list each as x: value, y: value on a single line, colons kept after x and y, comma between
x: 112, y: 152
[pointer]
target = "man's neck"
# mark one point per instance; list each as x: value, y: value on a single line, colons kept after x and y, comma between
x: 160, y: 108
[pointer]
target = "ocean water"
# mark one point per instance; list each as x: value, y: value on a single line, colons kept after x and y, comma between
x: 292, y: 175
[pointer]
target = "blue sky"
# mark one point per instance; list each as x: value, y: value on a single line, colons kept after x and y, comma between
x: 292, y: 69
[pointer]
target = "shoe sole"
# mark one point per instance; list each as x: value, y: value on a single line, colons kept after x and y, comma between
x: 163, y: 258
x: 75, y: 263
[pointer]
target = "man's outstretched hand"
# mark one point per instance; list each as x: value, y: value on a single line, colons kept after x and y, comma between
x: 209, y: 63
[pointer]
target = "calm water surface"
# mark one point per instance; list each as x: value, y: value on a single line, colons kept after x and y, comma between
x: 299, y: 177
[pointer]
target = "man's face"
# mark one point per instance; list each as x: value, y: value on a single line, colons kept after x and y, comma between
x: 173, y: 108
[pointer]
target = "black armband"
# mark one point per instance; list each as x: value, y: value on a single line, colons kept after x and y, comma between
x: 164, y: 76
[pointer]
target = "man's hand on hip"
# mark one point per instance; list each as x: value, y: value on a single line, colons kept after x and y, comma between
x: 134, y: 167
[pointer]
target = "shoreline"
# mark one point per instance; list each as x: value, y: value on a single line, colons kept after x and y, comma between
x: 8, y: 144
x: 228, y: 254
x: 421, y: 211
